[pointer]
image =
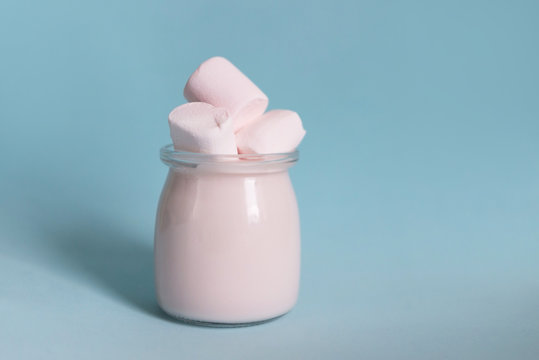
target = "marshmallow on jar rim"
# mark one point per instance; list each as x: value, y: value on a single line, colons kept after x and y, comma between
x: 218, y: 82
x: 202, y: 128
x: 277, y: 131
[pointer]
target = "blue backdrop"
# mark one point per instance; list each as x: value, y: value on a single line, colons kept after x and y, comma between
x: 418, y: 184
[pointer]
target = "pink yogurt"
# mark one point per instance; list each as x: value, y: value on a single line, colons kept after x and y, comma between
x: 227, y: 238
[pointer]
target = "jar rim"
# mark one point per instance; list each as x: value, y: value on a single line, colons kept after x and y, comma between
x: 176, y: 158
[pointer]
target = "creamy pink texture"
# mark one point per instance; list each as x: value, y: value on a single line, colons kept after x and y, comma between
x: 227, y: 245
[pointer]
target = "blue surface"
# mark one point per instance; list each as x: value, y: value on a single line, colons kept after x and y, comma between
x: 418, y: 184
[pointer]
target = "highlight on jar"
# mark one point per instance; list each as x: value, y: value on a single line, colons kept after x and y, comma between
x: 227, y: 233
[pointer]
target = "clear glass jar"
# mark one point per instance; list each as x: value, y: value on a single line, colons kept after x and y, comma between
x: 227, y: 238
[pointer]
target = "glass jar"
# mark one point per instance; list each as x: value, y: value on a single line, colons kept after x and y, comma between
x: 227, y: 238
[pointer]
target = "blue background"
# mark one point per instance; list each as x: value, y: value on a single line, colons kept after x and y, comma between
x: 418, y: 184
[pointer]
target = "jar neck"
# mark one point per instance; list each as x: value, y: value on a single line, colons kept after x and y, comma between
x: 229, y: 164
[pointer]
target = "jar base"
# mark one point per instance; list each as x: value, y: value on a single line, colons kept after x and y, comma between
x: 221, y: 324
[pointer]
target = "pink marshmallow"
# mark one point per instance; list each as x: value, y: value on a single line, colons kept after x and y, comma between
x: 203, y: 128
x: 276, y: 131
x: 218, y: 82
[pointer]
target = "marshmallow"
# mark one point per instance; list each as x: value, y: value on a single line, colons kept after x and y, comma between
x: 218, y: 82
x: 276, y: 131
x: 203, y: 128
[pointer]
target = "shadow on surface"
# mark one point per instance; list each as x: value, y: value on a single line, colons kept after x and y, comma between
x: 112, y: 261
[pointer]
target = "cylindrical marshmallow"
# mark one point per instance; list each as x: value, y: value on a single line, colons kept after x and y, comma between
x: 203, y: 128
x: 218, y: 82
x: 276, y: 131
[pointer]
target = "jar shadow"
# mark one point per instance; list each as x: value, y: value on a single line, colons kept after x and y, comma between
x: 115, y: 263
x: 112, y: 261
